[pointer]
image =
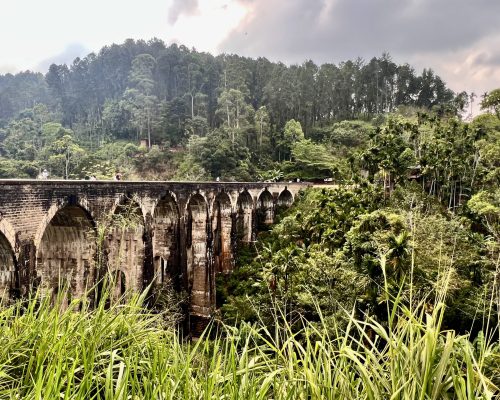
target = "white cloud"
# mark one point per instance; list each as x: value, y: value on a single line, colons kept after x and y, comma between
x: 34, y: 30
x: 209, y: 25
x: 457, y: 38
x: 475, y: 68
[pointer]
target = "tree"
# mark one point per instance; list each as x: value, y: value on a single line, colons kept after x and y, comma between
x: 217, y: 155
x: 234, y: 111
x: 292, y: 133
x: 486, y: 167
x: 312, y: 160
x: 486, y: 205
x: 491, y: 101
x: 64, y: 155
x: 117, y: 120
x: 261, y: 120
x: 139, y: 98
x: 389, y: 154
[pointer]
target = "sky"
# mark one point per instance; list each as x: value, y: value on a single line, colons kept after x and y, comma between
x: 459, y: 39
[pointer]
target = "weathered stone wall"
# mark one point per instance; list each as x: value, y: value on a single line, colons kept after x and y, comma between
x: 65, y: 255
x: 7, y: 270
x: 165, y: 245
x: 222, y: 226
x: 182, y: 233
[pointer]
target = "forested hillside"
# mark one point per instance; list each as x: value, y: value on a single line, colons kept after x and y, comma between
x: 199, y: 116
x: 385, y: 286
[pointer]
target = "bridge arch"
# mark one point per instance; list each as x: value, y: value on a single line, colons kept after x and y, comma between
x: 123, y: 200
x: 166, y: 240
x: 7, y: 269
x: 8, y: 231
x: 196, y: 254
x: 125, y: 248
x: 244, y: 217
x: 285, y: 198
x: 66, y: 253
x: 55, y: 208
x: 265, y: 209
x: 222, y: 226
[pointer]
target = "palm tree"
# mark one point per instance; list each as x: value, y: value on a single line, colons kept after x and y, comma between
x: 397, y: 254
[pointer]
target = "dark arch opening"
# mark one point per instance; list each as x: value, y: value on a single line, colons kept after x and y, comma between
x: 285, y: 199
x: 222, y: 233
x: 118, y: 285
x: 7, y: 270
x: 265, y: 210
x: 166, y: 242
x: 125, y: 245
x: 65, y: 256
x: 199, y: 281
x: 244, y: 217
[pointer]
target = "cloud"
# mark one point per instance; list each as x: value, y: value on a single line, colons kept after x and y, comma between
x: 473, y: 68
x: 180, y: 7
x: 488, y: 57
x: 67, y: 56
x: 457, y: 38
x: 8, y: 68
x: 333, y: 30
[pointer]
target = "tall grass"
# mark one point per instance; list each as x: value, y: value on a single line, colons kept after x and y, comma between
x: 121, y: 351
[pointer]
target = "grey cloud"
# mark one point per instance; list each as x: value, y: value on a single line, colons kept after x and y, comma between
x: 67, y: 56
x: 179, y: 7
x: 335, y: 30
x: 489, y: 58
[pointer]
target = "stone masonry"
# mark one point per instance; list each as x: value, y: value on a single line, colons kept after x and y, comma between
x: 148, y: 232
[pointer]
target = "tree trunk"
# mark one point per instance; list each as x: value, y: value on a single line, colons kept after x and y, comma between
x: 260, y: 138
x: 192, y: 106
x: 66, y: 167
x: 149, y: 128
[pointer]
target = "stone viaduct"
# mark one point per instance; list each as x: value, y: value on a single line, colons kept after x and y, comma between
x: 55, y: 234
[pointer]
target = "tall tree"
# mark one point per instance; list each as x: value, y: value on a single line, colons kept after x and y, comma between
x: 139, y: 97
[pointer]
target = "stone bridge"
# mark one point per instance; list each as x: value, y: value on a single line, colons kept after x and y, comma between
x: 54, y: 235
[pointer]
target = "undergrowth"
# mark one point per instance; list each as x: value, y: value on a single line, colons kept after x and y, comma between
x: 122, y: 351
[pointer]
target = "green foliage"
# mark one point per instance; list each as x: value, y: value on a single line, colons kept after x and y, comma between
x: 292, y: 133
x: 349, y: 134
x: 389, y: 155
x: 17, y: 168
x: 344, y: 249
x: 120, y: 351
x: 492, y: 101
x: 311, y: 160
x: 486, y: 206
x: 220, y: 157
x: 262, y: 124
x: 64, y: 155
x: 487, y: 148
x: 299, y: 261
x: 147, y: 91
